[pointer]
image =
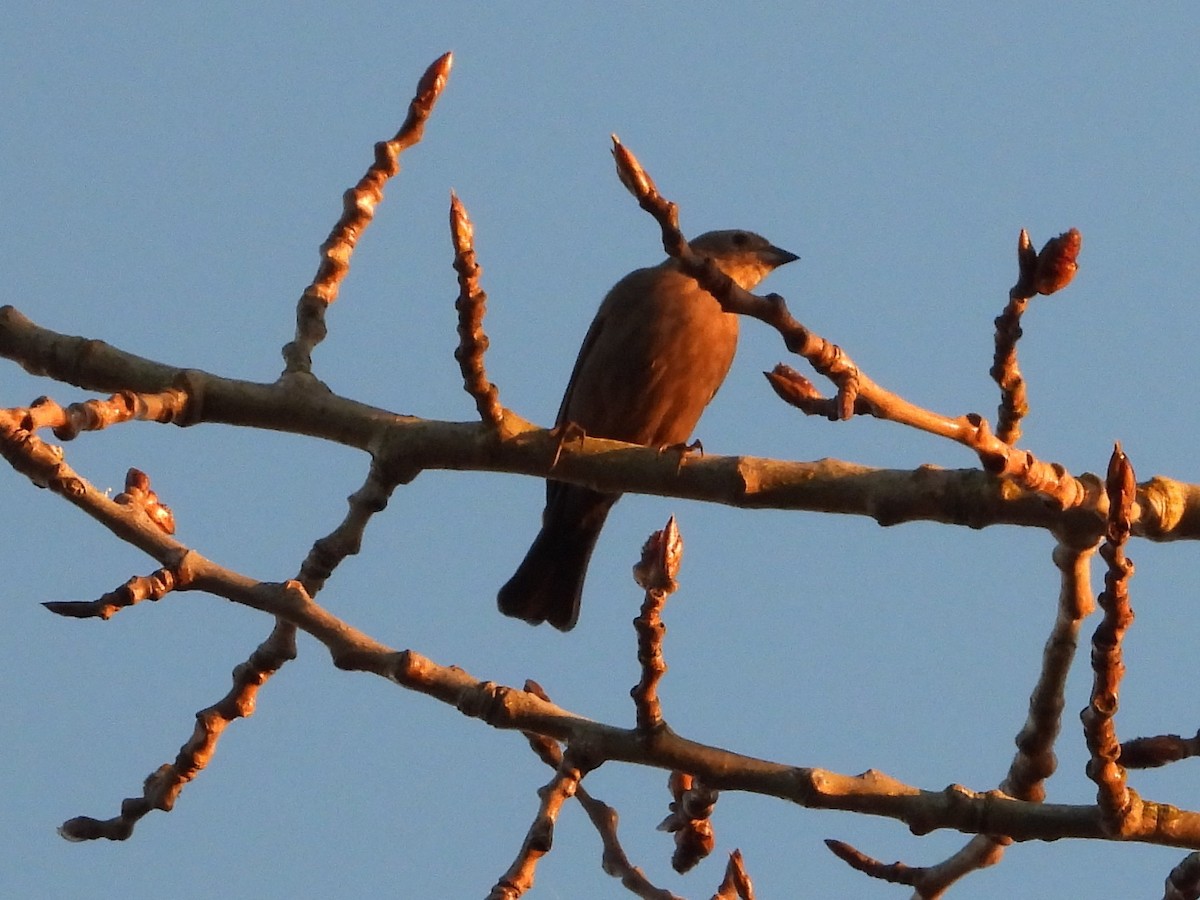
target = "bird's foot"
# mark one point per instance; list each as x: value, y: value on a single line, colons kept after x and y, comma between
x: 684, y: 451
x: 564, y: 433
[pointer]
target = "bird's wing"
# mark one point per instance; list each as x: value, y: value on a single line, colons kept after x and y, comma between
x: 589, y: 341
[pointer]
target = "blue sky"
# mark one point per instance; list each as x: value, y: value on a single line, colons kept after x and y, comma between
x: 167, y: 178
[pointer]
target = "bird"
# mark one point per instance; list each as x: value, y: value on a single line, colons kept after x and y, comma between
x: 654, y: 356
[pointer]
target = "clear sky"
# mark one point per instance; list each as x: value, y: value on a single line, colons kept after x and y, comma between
x: 167, y: 176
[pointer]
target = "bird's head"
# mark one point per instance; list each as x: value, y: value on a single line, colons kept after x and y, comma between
x: 744, y: 256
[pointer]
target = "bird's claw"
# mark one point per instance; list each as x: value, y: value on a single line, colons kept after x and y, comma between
x: 684, y: 451
x: 564, y: 433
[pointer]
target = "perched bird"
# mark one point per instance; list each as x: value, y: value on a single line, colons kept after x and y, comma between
x: 653, y: 358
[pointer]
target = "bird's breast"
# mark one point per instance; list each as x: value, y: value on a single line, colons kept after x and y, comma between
x: 661, y: 348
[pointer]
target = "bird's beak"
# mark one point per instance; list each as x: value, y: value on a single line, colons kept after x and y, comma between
x: 777, y: 257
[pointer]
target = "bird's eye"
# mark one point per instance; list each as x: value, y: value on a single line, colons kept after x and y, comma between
x: 740, y: 238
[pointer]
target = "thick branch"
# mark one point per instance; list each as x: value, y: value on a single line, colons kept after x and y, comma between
x: 503, y: 707
x: 872, y: 793
x: 405, y: 445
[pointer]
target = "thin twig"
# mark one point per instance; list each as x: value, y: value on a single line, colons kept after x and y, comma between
x: 1037, y: 273
x: 540, y: 837
x: 1034, y: 761
x: 1005, y: 371
x: 358, y: 209
x: 1159, y: 750
x: 471, y: 306
x: 154, y: 586
x: 655, y: 573
x: 896, y: 873
x: 345, y: 540
x: 613, y: 860
x: 162, y: 786
x: 93, y: 415
x: 1119, y: 805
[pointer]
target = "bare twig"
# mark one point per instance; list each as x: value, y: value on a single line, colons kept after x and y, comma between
x: 1159, y: 750
x: 896, y: 873
x: 162, y: 786
x: 1038, y: 273
x: 1034, y: 761
x: 614, y: 860
x: 345, y: 540
x: 154, y: 586
x: 1014, y: 403
x: 538, y: 840
x: 1119, y: 805
x: 655, y: 573
x: 358, y: 209
x: 471, y: 305
x: 93, y: 415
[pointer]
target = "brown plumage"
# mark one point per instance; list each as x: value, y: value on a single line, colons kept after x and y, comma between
x: 653, y: 358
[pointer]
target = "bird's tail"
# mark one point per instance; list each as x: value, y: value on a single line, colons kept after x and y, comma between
x: 548, y: 584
